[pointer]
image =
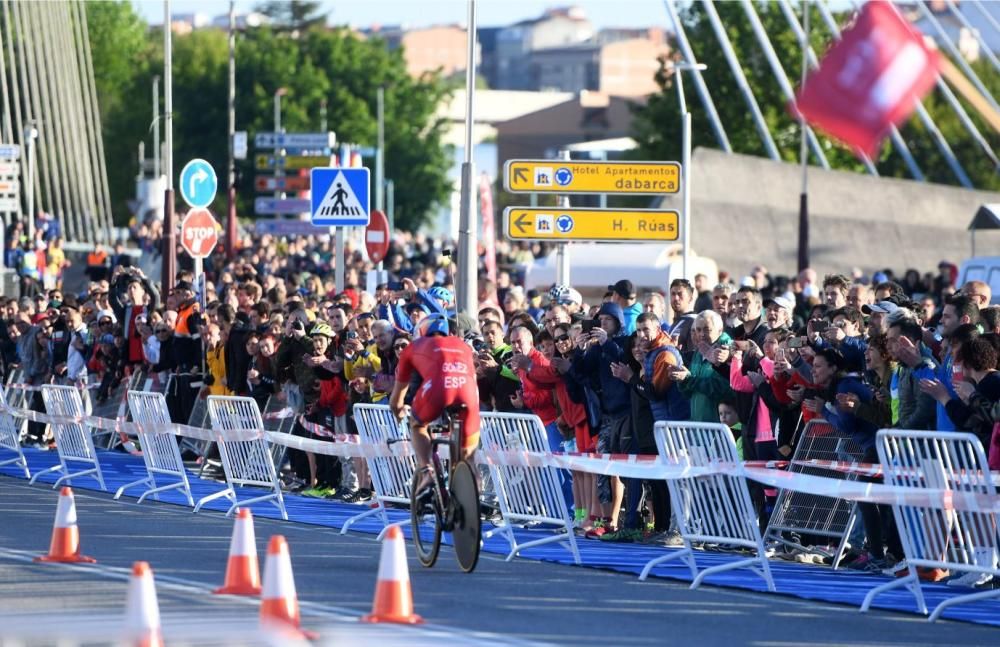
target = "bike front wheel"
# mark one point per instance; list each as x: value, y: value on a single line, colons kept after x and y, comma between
x: 466, y: 532
x: 425, y: 518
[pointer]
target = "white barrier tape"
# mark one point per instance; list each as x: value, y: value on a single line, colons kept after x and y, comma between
x: 340, y: 449
x: 281, y: 414
x: 874, y: 470
x: 29, y: 387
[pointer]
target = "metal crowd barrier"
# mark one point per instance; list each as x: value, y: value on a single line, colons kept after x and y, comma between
x: 160, y: 451
x: 391, y: 475
x: 809, y: 514
x: 714, y: 508
x: 247, y: 460
x: 74, y: 441
x: 963, y: 540
x: 10, y: 437
x: 276, y: 421
x: 526, y: 495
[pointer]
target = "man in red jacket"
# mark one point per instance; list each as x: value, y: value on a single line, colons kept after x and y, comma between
x: 539, y: 398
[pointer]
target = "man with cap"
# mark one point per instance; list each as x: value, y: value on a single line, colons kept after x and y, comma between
x: 778, y: 312
x: 878, y: 314
x: 623, y: 293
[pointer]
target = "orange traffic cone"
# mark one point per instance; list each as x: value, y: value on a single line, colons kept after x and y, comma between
x: 279, y: 605
x: 242, y: 570
x: 65, y: 545
x: 393, y: 596
x: 142, y: 611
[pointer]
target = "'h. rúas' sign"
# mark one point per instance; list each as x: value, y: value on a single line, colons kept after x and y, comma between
x: 198, y: 233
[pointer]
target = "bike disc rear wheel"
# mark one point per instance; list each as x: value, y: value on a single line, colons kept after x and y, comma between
x: 425, y: 524
x: 467, y: 530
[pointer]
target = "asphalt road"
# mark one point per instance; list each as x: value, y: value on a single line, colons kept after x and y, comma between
x: 501, y: 603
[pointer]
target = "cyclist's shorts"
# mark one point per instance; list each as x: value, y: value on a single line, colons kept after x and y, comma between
x: 429, y: 403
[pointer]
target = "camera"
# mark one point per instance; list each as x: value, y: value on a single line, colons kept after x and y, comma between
x: 298, y: 326
x: 351, y: 334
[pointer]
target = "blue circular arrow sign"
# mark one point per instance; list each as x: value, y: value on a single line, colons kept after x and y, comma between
x: 198, y: 183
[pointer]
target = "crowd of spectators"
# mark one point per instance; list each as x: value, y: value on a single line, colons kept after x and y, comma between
x: 764, y: 355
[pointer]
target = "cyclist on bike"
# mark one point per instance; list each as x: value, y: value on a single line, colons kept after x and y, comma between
x: 441, y: 367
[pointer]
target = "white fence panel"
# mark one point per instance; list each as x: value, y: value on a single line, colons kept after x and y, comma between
x: 391, y: 475
x: 714, y: 508
x: 963, y: 540
x: 10, y: 437
x: 526, y: 495
x: 245, y: 452
x: 74, y: 442
x: 159, y: 450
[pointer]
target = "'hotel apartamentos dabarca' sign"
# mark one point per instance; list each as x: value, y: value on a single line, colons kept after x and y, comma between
x: 566, y: 177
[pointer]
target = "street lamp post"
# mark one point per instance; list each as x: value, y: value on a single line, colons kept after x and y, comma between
x: 679, y: 68
x: 30, y: 135
x: 169, y: 223
x: 279, y: 151
x: 466, y: 287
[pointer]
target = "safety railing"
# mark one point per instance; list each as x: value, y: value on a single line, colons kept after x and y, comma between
x: 10, y: 437
x: 527, y: 495
x: 709, y: 508
x: 798, y: 515
x: 962, y: 539
x: 245, y: 452
x: 160, y: 451
x: 391, y: 475
x: 74, y: 441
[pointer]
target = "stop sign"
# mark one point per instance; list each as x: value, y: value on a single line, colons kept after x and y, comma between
x: 377, y: 236
x: 198, y: 235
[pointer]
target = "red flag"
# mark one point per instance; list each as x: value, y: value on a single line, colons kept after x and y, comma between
x: 489, y: 235
x: 870, y: 80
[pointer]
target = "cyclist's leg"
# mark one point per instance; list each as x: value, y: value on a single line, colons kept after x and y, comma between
x: 469, y: 417
x: 425, y: 408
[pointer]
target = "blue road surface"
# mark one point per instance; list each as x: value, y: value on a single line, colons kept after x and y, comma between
x: 524, y: 600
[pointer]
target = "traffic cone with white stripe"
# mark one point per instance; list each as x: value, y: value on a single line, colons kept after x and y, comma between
x: 393, y: 596
x: 142, y: 611
x: 279, y: 605
x: 242, y: 569
x: 65, y: 545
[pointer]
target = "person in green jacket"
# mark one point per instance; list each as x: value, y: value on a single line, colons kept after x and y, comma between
x: 705, y: 382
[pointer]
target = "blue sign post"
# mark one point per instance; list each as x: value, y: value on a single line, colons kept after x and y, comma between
x: 340, y: 197
x: 198, y: 183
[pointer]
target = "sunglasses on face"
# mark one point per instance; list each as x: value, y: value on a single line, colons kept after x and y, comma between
x: 398, y: 347
x: 562, y: 338
x: 161, y: 330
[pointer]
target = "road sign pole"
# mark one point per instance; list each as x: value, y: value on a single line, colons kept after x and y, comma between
x: 686, y: 175
x: 169, y: 225
x: 340, y: 268
x: 468, y: 260
x: 380, y: 158
x: 562, y: 250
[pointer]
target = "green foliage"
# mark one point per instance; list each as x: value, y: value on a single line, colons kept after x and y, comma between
x: 658, y: 123
x: 293, y: 15
x: 313, y: 65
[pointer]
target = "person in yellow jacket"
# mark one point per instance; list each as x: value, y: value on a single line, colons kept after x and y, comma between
x: 216, y: 361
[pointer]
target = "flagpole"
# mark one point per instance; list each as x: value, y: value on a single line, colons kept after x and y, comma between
x: 803, y: 255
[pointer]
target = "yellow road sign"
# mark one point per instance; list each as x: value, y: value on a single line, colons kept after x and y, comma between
x: 564, y: 176
x: 290, y: 162
x: 557, y: 225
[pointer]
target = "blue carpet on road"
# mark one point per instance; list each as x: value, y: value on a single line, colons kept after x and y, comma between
x: 799, y: 580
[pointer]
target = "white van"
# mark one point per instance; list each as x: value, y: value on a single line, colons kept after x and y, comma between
x: 595, y: 266
x: 985, y: 269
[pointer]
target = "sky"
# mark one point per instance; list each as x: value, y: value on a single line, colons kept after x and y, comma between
x: 421, y: 13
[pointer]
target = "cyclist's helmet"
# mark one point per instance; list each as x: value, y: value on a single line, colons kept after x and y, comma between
x: 433, y: 324
x: 442, y: 294
x: 558, y: 293
x: 322, y: 329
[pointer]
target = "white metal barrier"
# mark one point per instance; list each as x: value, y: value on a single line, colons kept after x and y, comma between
x: 74, y: 442
x: 391, y: 475
x: 245, y: 452
x: 10, y: 437
x: 714, y: 508
x: 159, y: 450
x: 114, y: 407
x: 526, y: 495
x: 934, y: 537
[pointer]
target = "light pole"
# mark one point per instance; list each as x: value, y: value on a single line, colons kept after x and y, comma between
x: 279, y: 151
x: 466, y: 286
x: 231, y: 184
x: 679, y: 68
x: 169, y: 227
x: 30, y: 135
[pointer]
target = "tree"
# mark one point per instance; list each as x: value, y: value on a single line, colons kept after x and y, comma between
x: 659, y: 120
x: 294, y: 15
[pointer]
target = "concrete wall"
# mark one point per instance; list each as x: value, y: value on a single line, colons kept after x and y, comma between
x: 745, y: 211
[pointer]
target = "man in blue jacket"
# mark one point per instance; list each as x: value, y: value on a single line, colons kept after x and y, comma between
x: 599, y: 348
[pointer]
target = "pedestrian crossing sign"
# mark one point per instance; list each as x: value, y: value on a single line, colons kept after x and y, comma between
x: 340, y: 197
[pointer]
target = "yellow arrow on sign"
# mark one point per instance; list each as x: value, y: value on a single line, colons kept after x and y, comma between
x: 621, y: 225
x: 564, y: 176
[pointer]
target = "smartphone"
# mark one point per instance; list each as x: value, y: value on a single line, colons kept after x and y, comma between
x: 820, y: 325
x: 351, y: 334
x: 741, y: 344
x: 395, y: 286
x: 796, y: 342
x: 587, y: 325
